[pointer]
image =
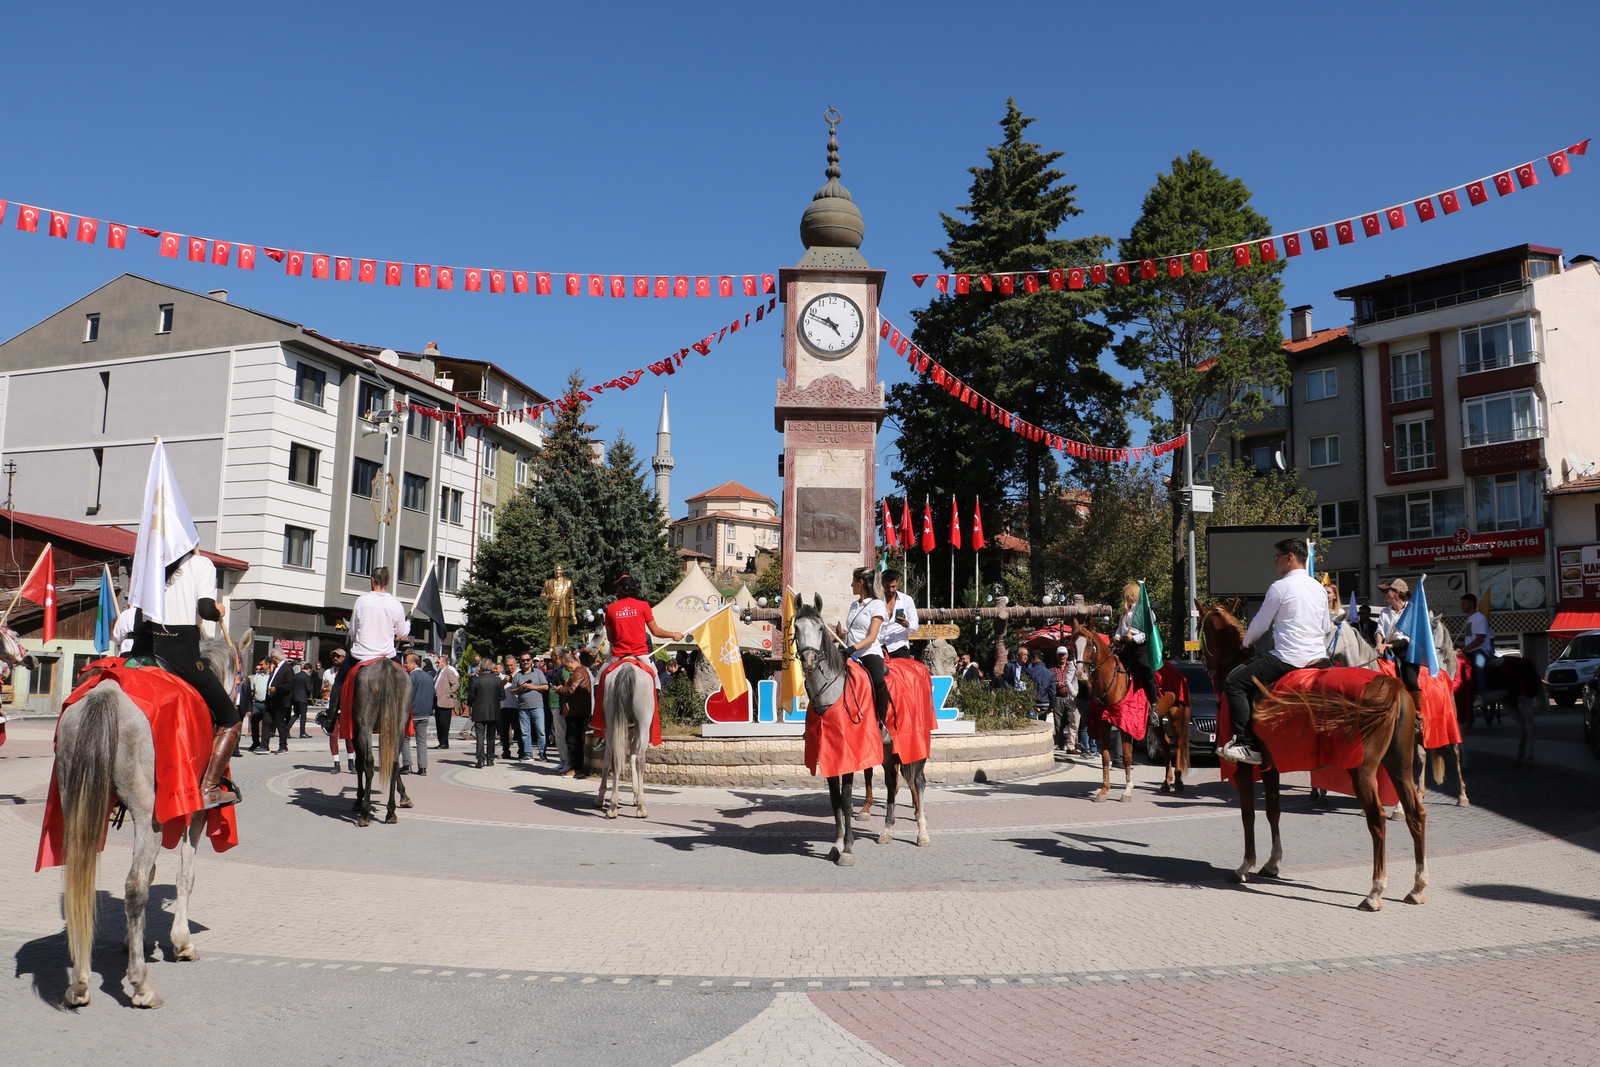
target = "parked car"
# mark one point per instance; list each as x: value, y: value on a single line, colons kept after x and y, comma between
x: 1574, y: 669
x: 1202, y: 717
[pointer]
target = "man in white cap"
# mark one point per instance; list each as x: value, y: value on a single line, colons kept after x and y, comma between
x: 1392, y: 641
x: 1066, y: 702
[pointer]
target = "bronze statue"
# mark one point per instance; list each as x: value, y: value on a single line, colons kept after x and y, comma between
x: 557, y: 596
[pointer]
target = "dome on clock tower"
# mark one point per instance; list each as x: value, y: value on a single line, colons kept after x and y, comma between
x: 832, y: 220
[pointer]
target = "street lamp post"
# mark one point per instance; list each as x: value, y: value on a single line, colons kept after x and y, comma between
x: 385, y: 424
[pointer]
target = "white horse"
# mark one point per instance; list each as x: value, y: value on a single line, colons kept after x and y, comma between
x: 629, y: 701
x: 104, y: 745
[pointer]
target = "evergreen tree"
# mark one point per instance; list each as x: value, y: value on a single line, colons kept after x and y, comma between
x: 633, y: 529
x: 504, y: 612
x: 1036, y: 354
x: 1198, y: 342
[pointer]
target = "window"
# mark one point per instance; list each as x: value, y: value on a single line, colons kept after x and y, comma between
x: 164, y: 319
x: 699, y: 532
x: 1271, y: 395
x: 486, y: 526
x: 1507, y: 502
x: 1410, y: 516
x: 491, y: 458
x: 450, y: 506
x: 1341, y: 518
x: 418, y: 425
x: 1210, y: 461
x: 1325, y: 451
x: 1261, y: 457
x: 309, y: 383
x: 414, y: 492
x: 298, y: 546
x: 522, y: 470
x: 1410, y: 376
x: 363, y: 474
x: 454, y: 445
x: 1413, y: 446
x: 730, y: 548
x: 359, y: 559
x: 1487, y: 420
x: 371, y: 399
x: 303, y: 461
x: 42, y: 679
x: 449, y: 574
x: 91, y: 327
x: 1491, y: 345
x: 411, y: 565
x: 1322, y: 384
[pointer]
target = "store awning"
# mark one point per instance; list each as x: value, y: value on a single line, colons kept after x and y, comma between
x: 1571, y: 622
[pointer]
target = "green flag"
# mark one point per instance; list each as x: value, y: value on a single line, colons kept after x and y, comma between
x: 1144, y: 618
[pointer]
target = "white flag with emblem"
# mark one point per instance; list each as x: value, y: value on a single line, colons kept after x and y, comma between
x: 166, y: 534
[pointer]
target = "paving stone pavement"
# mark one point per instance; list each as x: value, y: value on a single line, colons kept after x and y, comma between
x: 504, y: 919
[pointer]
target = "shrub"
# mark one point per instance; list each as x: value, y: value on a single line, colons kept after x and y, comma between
x: 993, y: 709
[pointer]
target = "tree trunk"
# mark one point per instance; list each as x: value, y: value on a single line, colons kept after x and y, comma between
x: 1035, y: 522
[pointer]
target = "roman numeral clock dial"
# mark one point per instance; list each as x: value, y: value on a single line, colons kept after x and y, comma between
x: 830, y: 325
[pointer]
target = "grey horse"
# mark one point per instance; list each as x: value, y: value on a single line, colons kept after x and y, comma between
x: 382, y: 703
x: 104, y: 746
x: 629, y: 701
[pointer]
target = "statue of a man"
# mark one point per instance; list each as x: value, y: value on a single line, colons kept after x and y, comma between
x: 557, y: 596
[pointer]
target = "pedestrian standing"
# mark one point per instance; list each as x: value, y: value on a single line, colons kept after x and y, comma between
x: 445, y: 687
x: 529, y: 685
x: 421, y: 704
x: 300, y: 696
x: 280, y: 699
x: 484, y: 696
x: 1066, y: 701
x: 577, y: 705
x: 1043, y: 683
x: 258, y: 707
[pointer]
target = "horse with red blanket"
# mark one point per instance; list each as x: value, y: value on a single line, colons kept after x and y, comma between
x: 907, y: 741
x: 1115, y: 701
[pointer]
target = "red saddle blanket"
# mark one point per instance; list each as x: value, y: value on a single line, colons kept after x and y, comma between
x: 911, y: 717
x: 344, y: 729
x: 1436, y: 718
x: 1131, y: 714
x: 844, y: 738
x: 180, y: 725
x: 597, y: 720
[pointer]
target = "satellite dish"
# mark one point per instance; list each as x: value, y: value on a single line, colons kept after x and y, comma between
x: 390, y: 356
x: 1277, y: 459
x: 1569, y: 467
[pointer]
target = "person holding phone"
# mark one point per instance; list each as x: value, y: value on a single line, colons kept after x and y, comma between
x: 902, y: 620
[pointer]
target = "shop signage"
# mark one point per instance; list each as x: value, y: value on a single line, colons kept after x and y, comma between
x: 1578, y: 571
x: 295, y: 650
x: 1465, y: 546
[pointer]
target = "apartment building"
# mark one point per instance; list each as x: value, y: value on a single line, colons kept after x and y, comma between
x: 729, y: 523
x: 1481, y: 382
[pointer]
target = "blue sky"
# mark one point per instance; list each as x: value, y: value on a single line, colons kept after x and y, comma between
x: 687, y: 139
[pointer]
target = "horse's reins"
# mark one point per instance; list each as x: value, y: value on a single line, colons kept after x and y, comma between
x: 1117, y: 668
x: 855, y: 717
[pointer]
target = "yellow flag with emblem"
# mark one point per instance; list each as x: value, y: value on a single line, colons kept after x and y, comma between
x: 791, y: 680
x: 719, y: 642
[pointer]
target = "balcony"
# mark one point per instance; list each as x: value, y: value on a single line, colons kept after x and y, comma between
x: 1500, y: 361
x: 1367, y: 311
x: 1415, y: 457
x: 1417, y: 385
x: 1500, y: 437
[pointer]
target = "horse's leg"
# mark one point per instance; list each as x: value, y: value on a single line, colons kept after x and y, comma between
x: 619, y: 755
x: 641, y: 749
x: 1172, y: 761
x: 1271, y: 789
x: 846, y: 788
x: 1127, y: 769
x: 1461, y: 779
x: 891, y: 780
x: 839, y: 817
x: 865, y: 811
x: 1394, y: 761
x: 405, y: 798
x: 917, y: 781
x: 1365, y: 781
x: 390, y: 818
x: 605, y: 769
x: 1244, y: 782
x: 1103, y: 735
x: 182, y: 943
x: 136, y: 895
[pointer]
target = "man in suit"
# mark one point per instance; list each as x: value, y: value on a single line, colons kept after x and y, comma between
x: 445, y: 689
x: 280, y: 695
x: 300, y: 696
x: 485, y: 695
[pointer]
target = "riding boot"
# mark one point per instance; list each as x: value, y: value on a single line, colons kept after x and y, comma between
x: 211, y: 790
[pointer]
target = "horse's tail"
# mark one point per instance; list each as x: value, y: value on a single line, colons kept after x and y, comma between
x: 85, y: 803
x: 1438, y: 764
x: 391, y: 705
x: 1374, y: 712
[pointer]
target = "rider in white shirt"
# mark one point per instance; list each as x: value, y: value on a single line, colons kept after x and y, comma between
x: 1479, y: 643
x: 863, y: 636
x: 896, y: 630
x: 377, y: 621
x: 1296, y: 610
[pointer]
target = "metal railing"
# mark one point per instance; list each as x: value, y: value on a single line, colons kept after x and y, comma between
x: 1452, y: 300
x: 1416, y: 385
x: 1500, y: 437
x: 1418, y: 457
x: 1509, y: 359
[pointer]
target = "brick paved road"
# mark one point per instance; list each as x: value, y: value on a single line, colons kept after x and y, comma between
x: 502, y: 919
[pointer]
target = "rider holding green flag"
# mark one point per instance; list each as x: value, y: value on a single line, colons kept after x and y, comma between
x: 1138, y: 639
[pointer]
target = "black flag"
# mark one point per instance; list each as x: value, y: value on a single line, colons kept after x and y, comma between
x: 429, y: 607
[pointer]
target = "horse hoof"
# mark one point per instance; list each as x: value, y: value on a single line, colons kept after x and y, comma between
x: 1370, y: 904
x: 1463, y: 802
x: 406, y: 803
x: 1267, y: 872
x: 1178, y: 788
x: 1166, y: 787
x: 846, y: 860
x: 641, y: 814
x: 356, y: 806
x: 1101, y: 797
x: 391, y: 820
x: 148, y: 999
x: 1125, y: 798
x: 885, y: 838
x: 363, y: 821
x: 923, y: 842
x: 611, y: 815
x: 76, y: 998
x: 1238, y: 877
x: 186, y: 953
x: 1417, y: 896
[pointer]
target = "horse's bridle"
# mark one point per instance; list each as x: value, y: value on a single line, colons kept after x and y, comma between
x: 800, y: 654
x: 1094, y: 669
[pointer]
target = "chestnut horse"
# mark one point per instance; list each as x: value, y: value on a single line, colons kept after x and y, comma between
x: 1384, y: 718
x: 1109, y: 683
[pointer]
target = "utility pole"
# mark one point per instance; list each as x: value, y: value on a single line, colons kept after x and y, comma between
x: 1198, y: 501
x: 385, y: 424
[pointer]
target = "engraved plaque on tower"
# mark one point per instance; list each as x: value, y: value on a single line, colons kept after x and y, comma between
x: 829, y: 520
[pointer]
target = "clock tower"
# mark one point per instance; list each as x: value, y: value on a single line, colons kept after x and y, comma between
x: 830, y: 403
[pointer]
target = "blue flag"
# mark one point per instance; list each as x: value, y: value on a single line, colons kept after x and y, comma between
x: 1351, y: 613
x: 1417, y: 624
x: 107, y: 615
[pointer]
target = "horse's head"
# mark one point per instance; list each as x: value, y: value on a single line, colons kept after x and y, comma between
x: 1221, y: 637
x: 811, y: 638
x: 12, y: 654
x: 222, y: 658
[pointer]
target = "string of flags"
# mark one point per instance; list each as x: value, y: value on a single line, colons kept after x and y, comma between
x: 906, y: 538
x: 459, y: 421
x: 1265, y: 250
x: 925, y: 365
x: 321, y: 265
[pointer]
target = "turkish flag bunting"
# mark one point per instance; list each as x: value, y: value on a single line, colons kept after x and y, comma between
x: 1503, y: 184
x: 319, y: 266
x: 541, y: 284
x: 724, y: 285
x: 1199, y: 261
x: 422, y: 277
x: 574, y: 285
x: 619, y: 286
x: 497, y: 281
x: 1526, y: 176
x: 1008, y: 284
x: 955, y: 523
x: 1241, y: 255
x: 367, y: 270
x: 247, y: 258
x: 1371, y: 225
x: 1425, y: 209
x: 1174, y: 266
x: 169, y: 245
x: 680, y: 285
x: 445, y: 278
x: 702, y: 286
x: 1319, y: 238
x: 1147, y: 268
x: 890, y: 538
x: 1450, y: 202
x: 197, y: 250
x: 343, y: 268
x: 908, y: 537
x: 884, y: 326
x: 963, y: 284
x: 1397, y: 217
x: 1058, y: 279
x: 294, y: 263
x: 59, y: 224
x: 597, y: 285
x: 749, y: 281
x: 143, y: 230
x: 1097, y: 274
x: 1346, y: 231
x: 1122, y: 274
x: 1581, y: 148
x: 86, y: 229
x: 117, y: 236
x: 1291, y: 244
x: 519, y: 281
x: 943, y: 283
x: 661, y: 287
x: 392, y: 272
x: 1030, y: 283
x: 2, y: 211
x: 28, y: 219
x: 220, y: 251
x: 769, y: 283
x: 987, y: 281
x: 894, y: 339
x: 40, y: 587
x: 1477, y: 193
x: 927, y: 527
x: 1558, y: 164
x: 1269, y: 251
x: 474, y: 282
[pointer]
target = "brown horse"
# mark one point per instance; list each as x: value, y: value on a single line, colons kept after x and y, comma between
x: 1109, y: 682
x: 1384, y: 717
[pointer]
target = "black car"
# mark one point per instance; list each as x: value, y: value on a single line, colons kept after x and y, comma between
x: 1202, y: 716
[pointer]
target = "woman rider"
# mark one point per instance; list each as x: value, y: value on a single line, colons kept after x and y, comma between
x: 863, y: 620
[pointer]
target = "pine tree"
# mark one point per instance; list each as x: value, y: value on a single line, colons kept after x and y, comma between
x: 1198, y: 342
x: 634, y: 531
x: 504, y: 612
x: 1034, y: 354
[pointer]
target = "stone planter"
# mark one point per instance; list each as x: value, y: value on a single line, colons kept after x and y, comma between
x: 780, y: 761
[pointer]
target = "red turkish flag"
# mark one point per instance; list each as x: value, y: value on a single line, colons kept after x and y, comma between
x: 1526, y: 176
x: 319, y: 266
x: 275, y: 254
x: 497, y: 281
x: 1477, y: 193
x: 749, y: 281
x: 1097, y: 274
x: 1425, y: 209
x: 1030, y: 283
x: 220, y: 250
x: 343, y: 268
x: 1174, y: 267
x: 295, y: 263
x: 1581, y: 148
x: 367, y: 271
x: 197, y: 250
x: 1241, y: 255
x: 40, y: 588
x: 702, y: 286
x: 907, y: 535
x: 927, y: 527
x: 116, y: 235
x: 890, y: 538
x: 444, y: 278
x: 987, y: 281
x: 724, y: 285
x: 680, y: 285
x: 885, y: 327
x: 59, y: 224
x: 27, y: 219
x: 169, y: 245
x: 2, y: 211
x: 1559, y: 164
x: 1291, y: 244
x: 619, y: 286
x: 1147, y: 268
x: 1122, y: 274
x: 1269, y: 251
x: 1503, y: 184
x: 1008, y: 284
x: 955, y: 523
x: 1396, y: 217
x: 769, y: 283
x: 662, y: 287
x: 86, y: 228
x: 1319, y: 238
x: 474, y: 282
x: 1199, y: 261
x: 1346, y: 231
x: 574, y: 285
x: 963, y: 284
x: 541, y: 284
x: 392, y: 272
x: 1058, y: 280
x: 422, y: 276
x: 247, y: 257
x: 1371, y: 225
x: 1450, y: 202
x: 597, y: 285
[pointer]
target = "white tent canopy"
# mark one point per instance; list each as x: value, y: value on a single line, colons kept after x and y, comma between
x: 695, y: 600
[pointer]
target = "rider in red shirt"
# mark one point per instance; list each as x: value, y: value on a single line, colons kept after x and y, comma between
x: 627, y: 620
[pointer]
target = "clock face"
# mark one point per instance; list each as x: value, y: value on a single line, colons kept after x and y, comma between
x: 830, y: 325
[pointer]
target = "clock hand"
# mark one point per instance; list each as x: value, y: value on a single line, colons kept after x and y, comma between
x: 832, y: 325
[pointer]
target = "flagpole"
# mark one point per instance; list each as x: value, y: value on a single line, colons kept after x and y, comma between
x: 23, y: 586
